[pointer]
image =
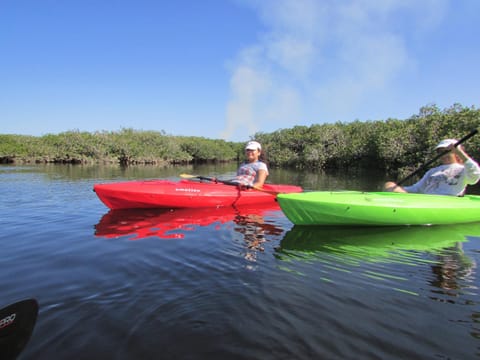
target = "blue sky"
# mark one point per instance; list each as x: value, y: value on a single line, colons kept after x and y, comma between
x: 230, y: 68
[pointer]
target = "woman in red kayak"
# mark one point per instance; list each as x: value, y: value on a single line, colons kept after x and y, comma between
x: 253, y: 172
x: 451, y: 178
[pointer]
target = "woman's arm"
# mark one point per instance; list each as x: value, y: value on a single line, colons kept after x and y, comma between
x: 261, y: 177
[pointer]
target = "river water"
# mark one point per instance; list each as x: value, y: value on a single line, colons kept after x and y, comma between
x: 228, y: 284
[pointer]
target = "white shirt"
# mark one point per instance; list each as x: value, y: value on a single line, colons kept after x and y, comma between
x: 451, y: 179
x: 247, y: 172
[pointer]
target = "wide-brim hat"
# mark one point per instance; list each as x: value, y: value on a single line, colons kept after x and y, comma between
x: 445, y: 143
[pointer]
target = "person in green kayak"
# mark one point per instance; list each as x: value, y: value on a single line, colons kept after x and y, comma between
x: 457, y: 171
x: 254, y: 171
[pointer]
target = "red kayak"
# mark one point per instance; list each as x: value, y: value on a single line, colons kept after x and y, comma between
x: 184, y: 194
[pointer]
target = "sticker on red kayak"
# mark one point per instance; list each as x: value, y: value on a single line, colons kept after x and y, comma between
x: 187, y: 190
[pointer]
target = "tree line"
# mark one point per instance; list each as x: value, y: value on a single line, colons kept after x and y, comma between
x: 126, y: 147
x: 390, y: 144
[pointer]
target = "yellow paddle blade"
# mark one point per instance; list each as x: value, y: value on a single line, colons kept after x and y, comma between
x: 188, y: 176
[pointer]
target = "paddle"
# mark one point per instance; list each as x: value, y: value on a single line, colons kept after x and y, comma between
x: 16, y: 326
x: 227, y: 182
x: 465, y: 138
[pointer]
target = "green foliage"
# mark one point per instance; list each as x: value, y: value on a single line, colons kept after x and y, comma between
x: 127, y: 146
x: 390, y: 144
x: 131, y: 146
x: 206, y: 150
x: 11, y: 145
x: 19, y: 146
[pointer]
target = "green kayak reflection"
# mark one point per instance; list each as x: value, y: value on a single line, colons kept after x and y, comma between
x: 386, y: 257
x: 374, y: 243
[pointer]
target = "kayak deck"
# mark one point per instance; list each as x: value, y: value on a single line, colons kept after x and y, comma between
x: 378, y: 208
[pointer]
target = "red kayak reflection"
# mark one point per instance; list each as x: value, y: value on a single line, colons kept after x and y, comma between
x: 172, y: 223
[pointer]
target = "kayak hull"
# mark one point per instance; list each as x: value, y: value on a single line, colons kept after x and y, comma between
x: 183, y: 194
x: 378, y: 208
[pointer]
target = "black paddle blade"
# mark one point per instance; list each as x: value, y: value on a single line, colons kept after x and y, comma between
x: 16, y: 326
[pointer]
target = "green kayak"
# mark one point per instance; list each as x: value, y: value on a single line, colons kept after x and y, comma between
x: 378, y: 208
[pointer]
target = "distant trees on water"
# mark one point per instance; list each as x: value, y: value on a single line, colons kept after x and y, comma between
x: 126, y: 147
x: 390, y: 144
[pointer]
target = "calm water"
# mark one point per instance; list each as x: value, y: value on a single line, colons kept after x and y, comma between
x: 228, y: 284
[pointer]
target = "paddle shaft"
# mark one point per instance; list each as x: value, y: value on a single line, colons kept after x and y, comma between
x: 228, y: 182
x: 465, y: 138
